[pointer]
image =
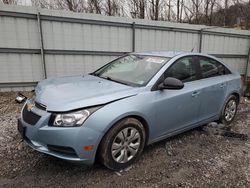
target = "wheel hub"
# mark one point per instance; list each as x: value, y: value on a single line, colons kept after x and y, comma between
x: 230, y: 110
x: 125, y: 145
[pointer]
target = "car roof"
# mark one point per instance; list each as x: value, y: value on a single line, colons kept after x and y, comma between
x: 168, y: 54
x: 171, y: 54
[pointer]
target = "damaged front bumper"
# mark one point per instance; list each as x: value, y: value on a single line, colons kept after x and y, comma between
x: 66, y: 143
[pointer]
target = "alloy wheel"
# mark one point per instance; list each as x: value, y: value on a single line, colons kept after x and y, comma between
x: 126, y: 145
x: 230, y: 110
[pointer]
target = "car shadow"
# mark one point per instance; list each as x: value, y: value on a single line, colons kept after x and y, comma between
x: 52, y: 165
x: 48, y: 163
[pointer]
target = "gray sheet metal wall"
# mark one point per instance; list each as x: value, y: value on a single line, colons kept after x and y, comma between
x: 80, y: 43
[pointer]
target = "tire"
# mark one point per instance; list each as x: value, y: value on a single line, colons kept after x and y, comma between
x: 118, y: 142
x: 228, y: 114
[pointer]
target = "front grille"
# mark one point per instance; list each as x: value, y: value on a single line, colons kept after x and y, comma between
x: 62, y: 150
x: 40, y: 106
x: 30, y: 117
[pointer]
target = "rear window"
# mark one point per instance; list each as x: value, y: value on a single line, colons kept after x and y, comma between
x: 211, y: 68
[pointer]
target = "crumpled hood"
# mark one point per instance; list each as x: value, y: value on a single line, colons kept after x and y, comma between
x: 74, y: 92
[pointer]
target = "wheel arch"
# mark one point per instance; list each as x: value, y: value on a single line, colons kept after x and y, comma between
x: 234, y: 93
x: 139, y: 118
x: 237, y: 95
x: 144, y: 123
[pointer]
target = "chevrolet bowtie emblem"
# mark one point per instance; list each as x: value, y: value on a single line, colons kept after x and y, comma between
x: 29, y: 107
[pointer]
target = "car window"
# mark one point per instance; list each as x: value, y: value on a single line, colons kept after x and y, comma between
x: 211, y: 68
x: 123, y: 65
x: 183, y: 69
x: 133, y: 70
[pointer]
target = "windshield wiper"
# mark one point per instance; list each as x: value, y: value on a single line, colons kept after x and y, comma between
x: 94, y: 74
x: 115, y: 80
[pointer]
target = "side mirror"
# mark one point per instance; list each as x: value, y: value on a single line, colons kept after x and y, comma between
x: 171, y: 83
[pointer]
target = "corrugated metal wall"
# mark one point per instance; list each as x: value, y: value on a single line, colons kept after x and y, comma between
x: 80, y: 43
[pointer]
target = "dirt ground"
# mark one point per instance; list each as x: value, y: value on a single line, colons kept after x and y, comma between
x: 211, y: 156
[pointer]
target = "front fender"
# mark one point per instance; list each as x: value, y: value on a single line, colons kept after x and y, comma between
x: 106, y: 117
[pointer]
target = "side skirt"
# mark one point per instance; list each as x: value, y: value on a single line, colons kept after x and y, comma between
x: 187, y: 128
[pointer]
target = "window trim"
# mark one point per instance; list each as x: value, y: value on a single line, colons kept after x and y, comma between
x: 197, y: 68
x: 161, y: 78
x: 198, y: 57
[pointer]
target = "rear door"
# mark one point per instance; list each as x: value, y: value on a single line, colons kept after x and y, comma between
x: 213, y: 78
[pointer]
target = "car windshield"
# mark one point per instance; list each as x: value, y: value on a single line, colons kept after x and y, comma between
x: 133, y: 70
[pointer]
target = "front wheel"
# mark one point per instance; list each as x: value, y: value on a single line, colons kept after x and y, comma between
x: 123, y: 144
x: 229, y: 111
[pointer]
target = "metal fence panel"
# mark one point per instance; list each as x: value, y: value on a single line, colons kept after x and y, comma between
x: 18, y: 33
x: 60, y: 65
x: 213, y: 44
x: 20, y: 67
x: 236, y: 64
x: 76, y: 43
x: 165, y: 40
x: 74, y: 36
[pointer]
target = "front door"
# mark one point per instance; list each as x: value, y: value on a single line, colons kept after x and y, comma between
x: 178, y: 109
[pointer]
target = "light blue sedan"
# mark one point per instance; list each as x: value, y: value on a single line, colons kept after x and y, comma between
x: 135, y: 100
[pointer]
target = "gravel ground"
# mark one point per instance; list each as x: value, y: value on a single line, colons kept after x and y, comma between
x: 211, y: 156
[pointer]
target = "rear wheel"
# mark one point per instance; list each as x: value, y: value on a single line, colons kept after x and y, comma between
x: 123, y: 144
x: 229, y: 111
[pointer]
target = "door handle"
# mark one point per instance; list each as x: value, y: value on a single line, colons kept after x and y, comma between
x: 195, y: 93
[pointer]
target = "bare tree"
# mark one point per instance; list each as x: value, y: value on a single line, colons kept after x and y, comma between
x: 247, y: 13
x: 169, y: 9
x: 243, y: 9
x: 42, y: 4
x: 200, y: 11
x: 154, y: 6
x: 197, y: 10
x: 212, y: 4
x: 137, y: 8
x: 228, y: 13
x: 179, y: 10
x: 9, y: 1
x: 72, y: 5
x: 94, y: 6
x: 206, y: 7
x: 208, y: 12
x: 188, y: 12
x: 111, y: 7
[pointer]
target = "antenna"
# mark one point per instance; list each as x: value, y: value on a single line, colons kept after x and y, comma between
x: 192, y: 49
